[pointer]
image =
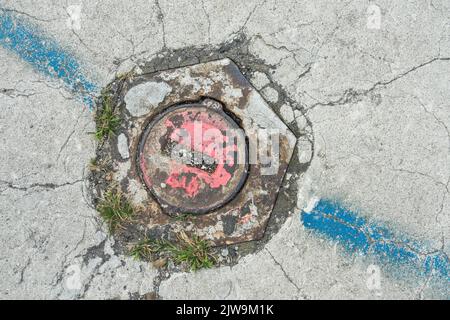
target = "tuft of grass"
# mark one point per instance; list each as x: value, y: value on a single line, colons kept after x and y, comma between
x: 107, y: 120
x: 115, y: 209
x: 194, y: 252
x: 182, y: 217
x: 99, y: 165
x: 125, y: 76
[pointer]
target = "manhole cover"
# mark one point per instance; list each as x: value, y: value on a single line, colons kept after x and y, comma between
x: 198, y: 151
x: 193, y: 158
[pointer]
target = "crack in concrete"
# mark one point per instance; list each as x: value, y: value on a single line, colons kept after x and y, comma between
x: 96, y: 251
x: 209, y: 20
x: 45, y: 186
x: 439, y: 121
x: 286, y: 275
x: 47, y: 82
x: 63, y: 146
x: 91, y: 277
x: 79, y: 38
x: 241, y: 29
x: 59, y: 275
x: 420, y: 174
x: 10, y: 10
x: 444, y: 196
x: 13, y: 93
x: 22, y: 271
x: 424, y: 286
x: 292, y: 53
x: 163, y: 25
x: 352, y: 95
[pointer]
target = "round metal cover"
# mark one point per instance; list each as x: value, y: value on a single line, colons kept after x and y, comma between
x: 193, y: 158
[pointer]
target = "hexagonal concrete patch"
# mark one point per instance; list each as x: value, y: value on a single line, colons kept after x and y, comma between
x: 214, y: 85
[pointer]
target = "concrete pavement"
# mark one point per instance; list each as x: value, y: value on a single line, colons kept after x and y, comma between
x: 365, y: 84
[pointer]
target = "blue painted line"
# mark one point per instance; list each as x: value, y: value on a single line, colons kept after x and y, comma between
x: 45, y: 55
x: 357, y: 235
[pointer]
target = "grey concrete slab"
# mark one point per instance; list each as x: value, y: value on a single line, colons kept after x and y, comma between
x: 374, y: 88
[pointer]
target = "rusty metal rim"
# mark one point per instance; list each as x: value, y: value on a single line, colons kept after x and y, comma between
x: 157, y: 117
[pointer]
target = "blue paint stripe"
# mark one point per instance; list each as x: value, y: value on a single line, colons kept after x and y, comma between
x: 45, y: 55
x: 357, y: 235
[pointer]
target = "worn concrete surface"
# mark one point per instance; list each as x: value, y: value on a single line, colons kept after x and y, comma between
x: 377, y: 96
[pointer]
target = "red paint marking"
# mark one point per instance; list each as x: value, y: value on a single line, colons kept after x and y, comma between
x: 191, y: 188
x: 177, y: 179
x: 209, y: 142
x: 245, y: 219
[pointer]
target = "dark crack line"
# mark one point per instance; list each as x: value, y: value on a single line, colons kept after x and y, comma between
x: 439, y: 121
x: 13, y: 93
x: 22, y: 272
x: 286, y: 275
x: 163, y: 25
x: 46, y: 186
x: 351, y: 95
x: 289, y: 51
x: 69, y: 137
x: 209, y: 20
x: 60, y: 275
x: 437, y: 182
x: 256, y: 7
x: 27, y: 15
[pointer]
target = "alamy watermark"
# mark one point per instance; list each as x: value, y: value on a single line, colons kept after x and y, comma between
x: 74, y: 17
x: 200, y: 147
x: 73, y: 280
x: 373, y: 281
x: 373, y: 17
